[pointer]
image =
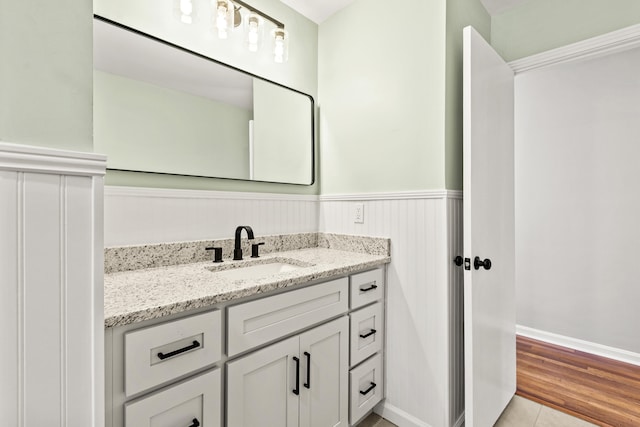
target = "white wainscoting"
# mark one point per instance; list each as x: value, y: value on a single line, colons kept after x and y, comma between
x: 135, y: 216
x: 51, y: 306
x: 424, y: 359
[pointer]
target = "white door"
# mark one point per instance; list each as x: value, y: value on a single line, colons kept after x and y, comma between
x: 489, y: 291
x: 324, y: 393
x: 262, y: 389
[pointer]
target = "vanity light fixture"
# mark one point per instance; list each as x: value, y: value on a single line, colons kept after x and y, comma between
x: 223, y: 17
x: 254, y: 31
x: 280, y: 45
x: 184, y: 10
x: 254, y: 20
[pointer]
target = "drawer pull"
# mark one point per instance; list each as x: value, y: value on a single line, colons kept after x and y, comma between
x: 296, y: 390
x: 368, y: 334
x: 371, y: 387
x: 195, y: 423
x: 163, y: 356
x: 308, y: 383
x: 370, y: 288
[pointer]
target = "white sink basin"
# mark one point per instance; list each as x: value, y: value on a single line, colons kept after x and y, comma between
x: 255, y: 271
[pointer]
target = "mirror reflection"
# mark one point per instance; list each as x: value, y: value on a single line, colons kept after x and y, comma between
x: 161, y: 108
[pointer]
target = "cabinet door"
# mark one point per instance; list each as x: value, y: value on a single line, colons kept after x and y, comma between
x: 260, y: 387
x: 324, y: 375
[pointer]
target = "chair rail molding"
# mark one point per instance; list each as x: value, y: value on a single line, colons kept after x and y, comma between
x: 51, y: 270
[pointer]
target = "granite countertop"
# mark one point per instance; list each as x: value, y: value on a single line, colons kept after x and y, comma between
x: 137, y: 295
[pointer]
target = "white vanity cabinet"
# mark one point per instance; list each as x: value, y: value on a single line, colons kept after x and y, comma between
x: 309, y: 356
x: 165, y: 373
x: 300, y: 381
x: 366, y: 376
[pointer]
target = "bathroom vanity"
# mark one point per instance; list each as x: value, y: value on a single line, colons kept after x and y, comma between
x: 290, y: 338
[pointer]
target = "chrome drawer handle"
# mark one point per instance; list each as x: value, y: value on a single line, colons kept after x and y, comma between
x: 368, y: 334
x: 371, y: 387
x: 163, y: 356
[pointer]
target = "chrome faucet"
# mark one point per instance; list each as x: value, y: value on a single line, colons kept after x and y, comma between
x: 237, y: 252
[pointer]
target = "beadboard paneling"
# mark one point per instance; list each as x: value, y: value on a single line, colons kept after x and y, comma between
x: 136, y: 216
x: 51, y: 294
x: 418, y: 298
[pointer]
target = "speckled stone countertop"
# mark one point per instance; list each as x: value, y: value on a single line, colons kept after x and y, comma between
x: 137, y: 295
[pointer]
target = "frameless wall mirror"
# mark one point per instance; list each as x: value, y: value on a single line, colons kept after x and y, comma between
x: 161, y: 108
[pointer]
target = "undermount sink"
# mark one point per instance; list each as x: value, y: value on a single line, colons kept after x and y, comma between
x: 255, y: 271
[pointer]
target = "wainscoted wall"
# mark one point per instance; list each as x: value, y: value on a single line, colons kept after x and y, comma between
x: 51, y: 305
x: 135, y: 216
x: 424, y: 359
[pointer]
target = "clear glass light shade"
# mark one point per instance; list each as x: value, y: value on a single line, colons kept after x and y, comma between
x: 223, y: 17
x: 184, y: 11
x: 253, y: 31
x: 280, y: 38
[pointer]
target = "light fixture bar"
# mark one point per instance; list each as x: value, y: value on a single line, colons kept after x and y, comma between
x: 264, y: 15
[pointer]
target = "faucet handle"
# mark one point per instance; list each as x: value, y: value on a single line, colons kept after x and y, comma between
x: 254, y: 249
x: 217, y: 253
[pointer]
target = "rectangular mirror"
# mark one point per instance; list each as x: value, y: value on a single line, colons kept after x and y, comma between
x: 161, y: 108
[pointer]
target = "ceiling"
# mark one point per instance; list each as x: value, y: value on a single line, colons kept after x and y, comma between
x: 319, y: 10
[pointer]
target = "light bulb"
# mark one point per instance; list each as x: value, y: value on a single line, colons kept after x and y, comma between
x: 184, y: 10
x: 221, y: 22
x: 254, y: 30
x: 280, y: 45
x: 224, y: 17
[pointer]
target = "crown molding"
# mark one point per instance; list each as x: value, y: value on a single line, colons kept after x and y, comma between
x: 625, y: 38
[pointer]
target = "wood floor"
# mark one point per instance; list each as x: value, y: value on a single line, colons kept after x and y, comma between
x: 602, y: 391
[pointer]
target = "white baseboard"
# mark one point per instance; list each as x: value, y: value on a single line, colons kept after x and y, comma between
x: 398, y: 416
x: 580, y: 345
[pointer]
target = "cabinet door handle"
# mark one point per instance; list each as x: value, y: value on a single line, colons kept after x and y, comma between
x: 371, y: 387
x: 370, y: 288
x: 195, y: 423
x: 308, y: 383
x: 163, y: 356
x: 368, y: 334
x: 296, y: 390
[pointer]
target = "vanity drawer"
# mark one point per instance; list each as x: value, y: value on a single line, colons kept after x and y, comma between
x: 367, y: 326
x: 366, y: 387
x: 367, y: 287
x: 169, y: 350
x: 264, y: 320
x: 191, y: 403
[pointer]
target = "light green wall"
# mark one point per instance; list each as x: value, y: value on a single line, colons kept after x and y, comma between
x: 540, y: 25
x: 186, y: 134
x: 300, y: 72
x: 460, y: 13
x: 282, y: 136
x: 390, y: 84
x: 381, y: 86
x: 46, y: 73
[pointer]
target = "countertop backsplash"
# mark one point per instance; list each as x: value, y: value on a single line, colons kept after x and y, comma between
x: 129, y: 258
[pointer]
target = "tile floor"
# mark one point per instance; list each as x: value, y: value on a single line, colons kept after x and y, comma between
x: 375, y: 420
x: 520, y: 413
